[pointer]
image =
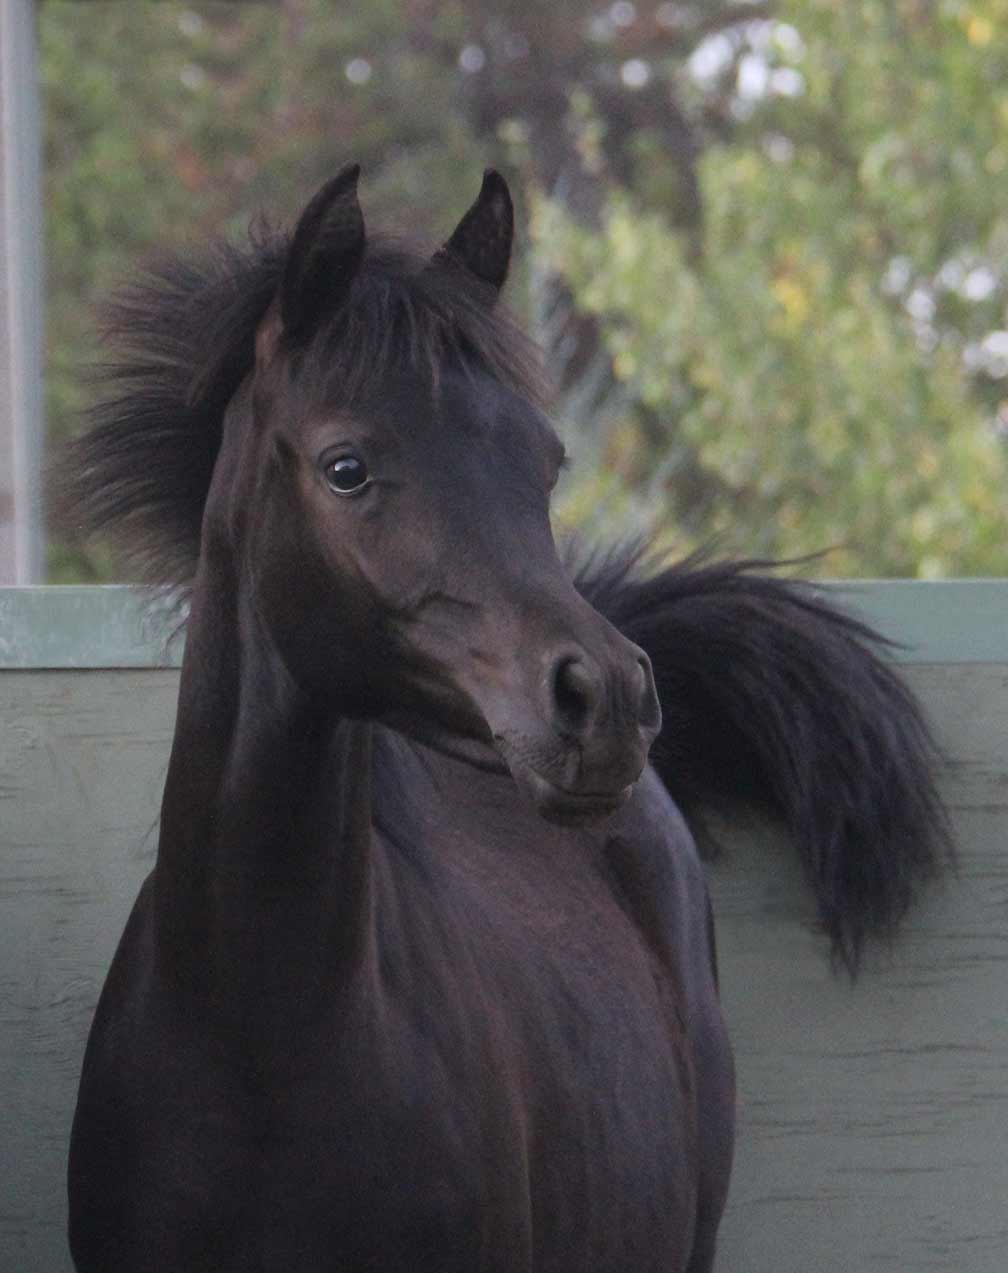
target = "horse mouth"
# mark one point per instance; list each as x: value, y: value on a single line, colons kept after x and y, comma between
x: 570, y: 808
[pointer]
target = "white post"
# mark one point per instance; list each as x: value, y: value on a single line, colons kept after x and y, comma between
x: 20, y: 297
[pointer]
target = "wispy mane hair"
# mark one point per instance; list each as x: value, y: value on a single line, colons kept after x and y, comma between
x: 182, y: 341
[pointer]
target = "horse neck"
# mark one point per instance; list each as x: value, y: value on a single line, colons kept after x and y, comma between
x: 262, y: 883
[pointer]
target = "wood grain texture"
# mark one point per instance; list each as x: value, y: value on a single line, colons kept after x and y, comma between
x: 873, y: 1119
x: 82, y: 763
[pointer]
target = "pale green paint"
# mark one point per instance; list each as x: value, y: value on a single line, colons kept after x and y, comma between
x: 935, y: 621
x: 946, y: 621
x: 88, y: 627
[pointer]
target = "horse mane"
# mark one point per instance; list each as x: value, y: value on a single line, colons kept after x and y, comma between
x: 773, y: 696
x: 182, y: 341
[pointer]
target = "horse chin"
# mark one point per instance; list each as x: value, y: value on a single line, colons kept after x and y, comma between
x: 565, y: 807
x: 496, y: 753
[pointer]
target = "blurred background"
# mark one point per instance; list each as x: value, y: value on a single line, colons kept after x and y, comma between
x: 764, y: 245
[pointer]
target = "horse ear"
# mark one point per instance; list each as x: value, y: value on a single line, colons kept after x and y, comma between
x: 482, y: 239
x: 324, y: 255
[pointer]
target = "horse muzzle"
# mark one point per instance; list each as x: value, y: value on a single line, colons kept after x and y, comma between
x: 578, y: 755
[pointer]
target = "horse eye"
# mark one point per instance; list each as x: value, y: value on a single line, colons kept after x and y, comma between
x: 346, y: 474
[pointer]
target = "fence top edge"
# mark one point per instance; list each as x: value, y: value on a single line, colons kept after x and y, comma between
x: 122, y: 626
x: 80, y: 627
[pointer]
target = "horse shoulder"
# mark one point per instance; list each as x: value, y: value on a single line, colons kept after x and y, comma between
x: 656, y: 874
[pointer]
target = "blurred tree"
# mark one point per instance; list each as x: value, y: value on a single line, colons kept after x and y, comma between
x: 827, y: 366
x: 767, y: 242
x: 170, y: 123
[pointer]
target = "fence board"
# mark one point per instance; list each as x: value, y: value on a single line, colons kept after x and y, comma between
x: 873, y: 1119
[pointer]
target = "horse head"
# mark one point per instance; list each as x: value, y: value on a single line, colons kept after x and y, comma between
x: 388, y: 475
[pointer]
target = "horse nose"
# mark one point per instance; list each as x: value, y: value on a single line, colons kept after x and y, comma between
x: 649, y: 708
x: 578, y: 692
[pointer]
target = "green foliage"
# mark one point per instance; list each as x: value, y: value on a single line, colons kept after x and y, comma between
x: 812, y: 363
x: 169, y: 123
x: 796, y: 271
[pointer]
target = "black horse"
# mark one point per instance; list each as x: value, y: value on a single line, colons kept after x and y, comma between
x: 423, y: 980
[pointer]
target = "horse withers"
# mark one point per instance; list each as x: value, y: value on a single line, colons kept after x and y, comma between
x: 423, y: 979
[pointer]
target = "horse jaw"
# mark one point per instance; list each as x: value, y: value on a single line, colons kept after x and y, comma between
x: 498, y: 755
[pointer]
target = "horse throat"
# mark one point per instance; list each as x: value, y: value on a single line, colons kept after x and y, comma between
x: 263, y: 876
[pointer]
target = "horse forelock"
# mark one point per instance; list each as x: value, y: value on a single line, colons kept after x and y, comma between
x: 183, y: 341
x: 408, y: 315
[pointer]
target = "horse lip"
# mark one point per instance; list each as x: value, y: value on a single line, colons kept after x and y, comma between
x: 571, y: 808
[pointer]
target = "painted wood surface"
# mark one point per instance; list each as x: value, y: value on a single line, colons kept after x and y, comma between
x: 873, y: 1119
x: 114, y: 625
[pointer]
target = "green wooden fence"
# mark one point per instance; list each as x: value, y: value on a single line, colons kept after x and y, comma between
x: 873, y: 1119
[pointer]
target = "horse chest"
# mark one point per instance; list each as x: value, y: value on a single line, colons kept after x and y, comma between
x: 442, y: 1125
x: 335, y: 1163
x: 554, y: 1021
x: 509, y: 1091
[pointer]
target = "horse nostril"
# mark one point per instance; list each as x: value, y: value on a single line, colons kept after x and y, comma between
x: 576, y: 692
x: 649, y: 708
